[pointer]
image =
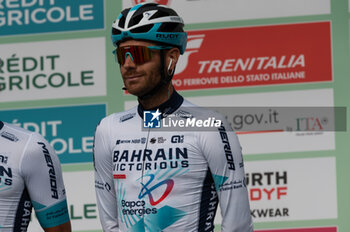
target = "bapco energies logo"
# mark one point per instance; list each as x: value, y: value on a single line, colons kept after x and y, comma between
x: 148, y: 190
x: 151, y: 119
x: 162, y: 2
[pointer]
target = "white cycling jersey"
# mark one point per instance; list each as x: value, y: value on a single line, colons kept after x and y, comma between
x: 30, y: 175
x: 152, y: 180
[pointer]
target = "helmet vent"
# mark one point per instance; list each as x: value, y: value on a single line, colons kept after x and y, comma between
x: 171, y: 27
x: 160, y: 14
x: 135, y: 20
x: 122, y: 19
x: 115, y: 31
x: 121, y: 22
x: 142, y: 29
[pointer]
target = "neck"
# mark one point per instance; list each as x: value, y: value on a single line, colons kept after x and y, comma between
x: 157, y: 98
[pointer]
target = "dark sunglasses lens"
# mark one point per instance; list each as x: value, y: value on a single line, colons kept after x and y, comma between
x: 139, y: 54
x: 120, y: 57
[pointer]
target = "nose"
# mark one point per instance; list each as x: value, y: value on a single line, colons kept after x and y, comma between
x: 129, y: 61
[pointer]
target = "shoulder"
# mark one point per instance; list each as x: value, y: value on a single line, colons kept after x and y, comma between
x: 116, y: 119
x: 13, y: 133
x: 201, y: 112
x: 13, y: 130
x: 26, y: 146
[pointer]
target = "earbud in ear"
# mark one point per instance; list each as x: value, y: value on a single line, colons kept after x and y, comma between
x: 170, y: 63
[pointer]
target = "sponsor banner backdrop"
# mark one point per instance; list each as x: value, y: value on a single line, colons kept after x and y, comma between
x: 310, y: 138
x: 38, y: 16
x: 255, y: 56
x: 290, y: 54
x: 228, y: 10
x: 290, y: 190
x: 82, y: 207
x: 316, y: 229
x: 52, y: 69
x: 68, y: 129
x: 287, y: 190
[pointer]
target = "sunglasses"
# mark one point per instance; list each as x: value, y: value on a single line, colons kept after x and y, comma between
x: 138, y: 54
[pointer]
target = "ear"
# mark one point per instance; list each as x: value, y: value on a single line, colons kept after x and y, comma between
x: 173, y: 54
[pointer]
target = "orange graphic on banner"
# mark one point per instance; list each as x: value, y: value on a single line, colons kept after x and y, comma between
x: 254, y: 56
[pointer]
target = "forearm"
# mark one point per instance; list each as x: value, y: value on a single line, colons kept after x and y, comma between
x: 66, y: 227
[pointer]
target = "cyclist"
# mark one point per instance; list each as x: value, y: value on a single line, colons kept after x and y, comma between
x: 155, y: 180
x: 30, y: 176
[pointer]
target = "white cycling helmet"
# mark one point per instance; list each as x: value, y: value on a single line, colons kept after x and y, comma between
x: 150, y: 21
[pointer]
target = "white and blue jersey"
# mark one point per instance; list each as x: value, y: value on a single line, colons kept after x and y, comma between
x: 30, y: 175
x: 153, y: 180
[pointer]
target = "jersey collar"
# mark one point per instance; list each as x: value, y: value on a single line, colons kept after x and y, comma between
x: 168, y: 107
x: 1, y: 125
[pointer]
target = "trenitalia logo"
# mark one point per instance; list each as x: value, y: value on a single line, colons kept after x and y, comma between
x: 194, y: 42
x: 40, y: 16
x: 252, y: 56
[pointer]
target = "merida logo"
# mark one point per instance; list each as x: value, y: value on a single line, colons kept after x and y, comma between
x: 227, y: 148
x: 52, y: 173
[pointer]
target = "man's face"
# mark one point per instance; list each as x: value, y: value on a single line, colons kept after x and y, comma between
x: 140, y: 79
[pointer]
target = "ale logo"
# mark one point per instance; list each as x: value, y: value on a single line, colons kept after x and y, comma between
x: 162, y: 2
x: 194, y: 42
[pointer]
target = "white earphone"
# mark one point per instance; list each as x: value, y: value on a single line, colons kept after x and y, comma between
x: 170, y: 71
x: 170, y: 63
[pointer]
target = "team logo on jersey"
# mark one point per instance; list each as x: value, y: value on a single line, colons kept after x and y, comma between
x: 134, y: 141
x: 127, y: 117
x: 9, y: 136
x: 147, y: 190
x: 5, y: 178
x: 177, y: 139
x: 151, y: 119
x: 5, y: 174
x: 51, y: 169
x: 3, y: 159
